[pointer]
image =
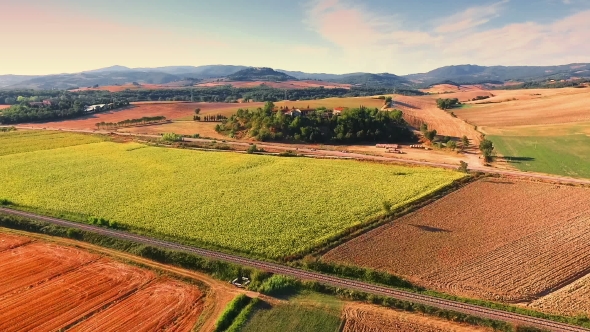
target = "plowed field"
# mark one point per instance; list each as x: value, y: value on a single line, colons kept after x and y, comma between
x: 494, y: 239
x: 36, y: 263
x: 160, y: 306
x: 571, y: 300
x: 45, y: 287
x: 11, y: 241
x: 366, y: 318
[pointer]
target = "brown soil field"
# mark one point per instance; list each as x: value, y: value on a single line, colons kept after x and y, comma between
x: 170, y: 110
x: 62, y: 301
x: 11, y: 241
x: 46, y: 287
x: 367, y: 318
x: 529, y: 107
x: 160, y: 306
x: 278, y: 85
x: 4, y: 106
x: 36, y: 263
x: 449, y: 88
x: 572, y: 300
x: 496, y: 239
x: 424, y: 108
x: 205, y: 129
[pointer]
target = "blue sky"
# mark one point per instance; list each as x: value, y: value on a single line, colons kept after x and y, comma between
x: 333, y: 36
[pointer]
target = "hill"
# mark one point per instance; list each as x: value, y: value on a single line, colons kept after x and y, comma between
x: 469, y: 74
x: 260, y: 74
x: 366, y: 79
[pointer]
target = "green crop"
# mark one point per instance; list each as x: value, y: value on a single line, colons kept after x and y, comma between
x: 261, y: 205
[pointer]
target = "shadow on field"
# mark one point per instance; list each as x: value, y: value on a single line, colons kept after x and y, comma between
x: 431, y: 229
x: 516, y: 160
x: 397, y: 102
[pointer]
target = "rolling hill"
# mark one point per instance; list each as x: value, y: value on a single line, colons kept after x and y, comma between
x: 259, y: 74
x: 465, y: 74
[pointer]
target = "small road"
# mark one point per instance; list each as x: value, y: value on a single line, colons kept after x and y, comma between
x: 314, y: 276
x: 350, y: 155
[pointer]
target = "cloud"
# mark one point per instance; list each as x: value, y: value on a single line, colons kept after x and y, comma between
x: 369, y: 40
x: 471, y: 18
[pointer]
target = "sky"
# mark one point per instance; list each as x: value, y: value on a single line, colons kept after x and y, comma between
x: 320, y: 36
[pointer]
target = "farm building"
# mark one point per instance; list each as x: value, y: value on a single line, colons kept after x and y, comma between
x: 93, y: 108
x: 338, y: 110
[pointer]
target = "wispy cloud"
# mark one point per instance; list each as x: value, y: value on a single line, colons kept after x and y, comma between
x: 471, y: 17
x: 462, y: 38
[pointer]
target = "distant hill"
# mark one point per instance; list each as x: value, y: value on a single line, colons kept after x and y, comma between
x: 365, y: 79
x: 68, y: 81
x: 259, y: 74
x: 461, y: 74
x: 465, y: 74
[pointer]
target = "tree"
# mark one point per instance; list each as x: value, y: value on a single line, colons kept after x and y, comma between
x: 430, y: 135
x: 197, y: 111
x: 463, y: 167
x: 487, y: 149
x: 452, y: 145
x: 465, y: 141
x: 252, y: 149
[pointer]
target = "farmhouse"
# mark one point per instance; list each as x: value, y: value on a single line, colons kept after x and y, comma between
x: 93, y: 108
x: 338, y: 110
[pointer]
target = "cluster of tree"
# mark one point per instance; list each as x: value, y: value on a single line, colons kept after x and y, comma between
x: 447, y: 103
x: 131, y: 122
x: 7, y: 129
x: 172, y: 137
x: 353, y: 125
x: 480, y: 98
x: 57, y: 109
x: 430, y: 135
x: 210, y: 118
x: 487, y: 149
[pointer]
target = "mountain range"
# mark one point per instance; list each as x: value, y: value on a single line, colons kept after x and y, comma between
x: 460, y: 74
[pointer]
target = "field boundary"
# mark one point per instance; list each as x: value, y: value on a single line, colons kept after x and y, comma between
x: 317, y: 278
x: 397, y: 213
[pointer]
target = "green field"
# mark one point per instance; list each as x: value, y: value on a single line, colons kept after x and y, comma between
x: 567, y: 155
x: 28, y: 141
x: 262, y: 205
x: 292, y: 318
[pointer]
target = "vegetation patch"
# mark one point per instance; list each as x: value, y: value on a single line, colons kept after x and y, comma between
x: 292, y: 318
x: 260, y: 205
x: 567, y: 155
x: 36, y: 140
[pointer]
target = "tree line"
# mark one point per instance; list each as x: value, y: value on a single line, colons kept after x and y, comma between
x: 131, y: 122
x: 57, y: 109
x: 354, y: 125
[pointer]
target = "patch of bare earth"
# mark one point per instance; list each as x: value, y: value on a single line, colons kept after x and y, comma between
x: 494, y: 239
x: 571, y: 300
x: 366, y: 318
x: 529, y: 107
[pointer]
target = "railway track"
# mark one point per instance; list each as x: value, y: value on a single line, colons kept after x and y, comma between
x: 314, y: 276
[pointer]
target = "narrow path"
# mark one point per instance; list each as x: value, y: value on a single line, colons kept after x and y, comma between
x: 314, y: 276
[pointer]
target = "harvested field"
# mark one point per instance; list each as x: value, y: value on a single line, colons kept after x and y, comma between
x: 424, y: 109
x: 36, y: 263
x: 572, y: 300
x: 367, y: 318
x: 170, y: 110
x: 11, y: 241
x: 4, y: 106
x: 450, y: 88
x: 46, y: 287
x: 63, y: 301
x: 205, y: 129
x: 163, y: 305
x: 494, y: 239
x: 531, y: 107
